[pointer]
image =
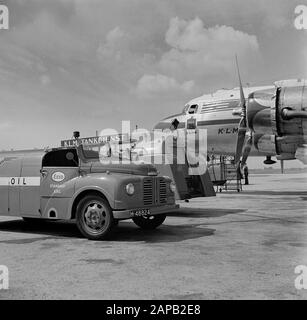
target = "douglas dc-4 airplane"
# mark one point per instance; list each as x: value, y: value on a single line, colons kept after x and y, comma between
x: 272, y: 121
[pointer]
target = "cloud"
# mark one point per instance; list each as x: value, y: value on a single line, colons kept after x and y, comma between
x: 118, y: 54
x: 112, y: 46
x: 152, y: 85
x: 45, y: 79
x: 83, y: 64
x: 199, y: 52
x: 192, y: 35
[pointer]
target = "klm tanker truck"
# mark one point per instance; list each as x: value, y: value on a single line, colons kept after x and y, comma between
x: 70, y: 183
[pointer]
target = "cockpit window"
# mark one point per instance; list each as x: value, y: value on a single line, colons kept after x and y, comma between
x: 193, y: 108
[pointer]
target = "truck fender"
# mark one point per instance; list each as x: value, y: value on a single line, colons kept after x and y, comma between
x: 84, y: 191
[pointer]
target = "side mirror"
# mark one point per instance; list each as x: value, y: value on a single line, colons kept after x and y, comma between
x: 43, y: 172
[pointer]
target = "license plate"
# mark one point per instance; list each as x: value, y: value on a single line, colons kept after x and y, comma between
x: 140, y: 212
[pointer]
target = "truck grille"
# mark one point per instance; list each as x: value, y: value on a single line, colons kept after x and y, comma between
x: 162, y: 191
x: 154, y: 191
x: 148, y: 192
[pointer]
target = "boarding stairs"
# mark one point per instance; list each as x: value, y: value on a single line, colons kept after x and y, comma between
x: 224, y: 174
x: 233, y: 178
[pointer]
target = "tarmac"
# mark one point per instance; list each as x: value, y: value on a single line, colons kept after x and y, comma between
x: 233, y: 246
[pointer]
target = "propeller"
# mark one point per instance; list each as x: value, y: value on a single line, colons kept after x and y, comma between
x: 247, y: 149
x: 241, y: 149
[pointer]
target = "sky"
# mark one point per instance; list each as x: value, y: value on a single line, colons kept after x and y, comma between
x: 87, y: 65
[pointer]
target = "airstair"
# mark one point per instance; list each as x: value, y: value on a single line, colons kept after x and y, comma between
x: 224, y: 174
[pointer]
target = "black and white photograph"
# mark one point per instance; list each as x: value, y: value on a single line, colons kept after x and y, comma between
x: 153, y: 150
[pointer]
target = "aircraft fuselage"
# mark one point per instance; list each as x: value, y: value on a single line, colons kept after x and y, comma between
x: 216, y: 114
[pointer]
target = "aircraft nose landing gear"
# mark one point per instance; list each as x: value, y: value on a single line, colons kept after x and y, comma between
x: 269, y: 160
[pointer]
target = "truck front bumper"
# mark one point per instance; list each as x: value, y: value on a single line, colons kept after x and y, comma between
x: 128, y: 214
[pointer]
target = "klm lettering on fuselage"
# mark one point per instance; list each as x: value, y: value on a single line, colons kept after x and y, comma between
x: 228, y: 131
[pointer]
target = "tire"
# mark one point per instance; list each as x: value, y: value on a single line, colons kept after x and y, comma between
x: 94, y: 217
x: 150, y: 222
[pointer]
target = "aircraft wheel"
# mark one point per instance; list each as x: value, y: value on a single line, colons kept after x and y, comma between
x: 149, y: 222
x: 94, y: 217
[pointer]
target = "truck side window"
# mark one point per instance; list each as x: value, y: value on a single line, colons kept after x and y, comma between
x: 61, y: 158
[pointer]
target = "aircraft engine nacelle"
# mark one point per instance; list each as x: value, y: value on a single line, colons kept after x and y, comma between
x: 277, y: 116
x: 289, y: 109
x: 265, y: 143
x: 259, y: 111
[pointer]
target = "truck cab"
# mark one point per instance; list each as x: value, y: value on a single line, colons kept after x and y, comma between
x: 73, y: 184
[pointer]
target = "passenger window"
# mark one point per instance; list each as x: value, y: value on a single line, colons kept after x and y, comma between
x: 61, y: 158
x: 193, y: 109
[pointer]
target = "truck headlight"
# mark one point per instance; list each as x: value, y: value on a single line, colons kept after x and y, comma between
x: 172, y: 187
x: 130, y: 189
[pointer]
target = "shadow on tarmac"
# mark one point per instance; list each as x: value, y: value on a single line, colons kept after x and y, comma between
x: 51, y: 228
x: 126, y: 231
x: 268, y: 193
x: 203, y: 212
x: 165, y: 233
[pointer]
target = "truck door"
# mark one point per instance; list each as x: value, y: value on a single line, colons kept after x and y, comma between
x: 59, y: 167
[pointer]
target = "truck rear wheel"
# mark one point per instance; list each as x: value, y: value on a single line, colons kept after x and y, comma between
x: 149, y: 222
x: 94, y: 217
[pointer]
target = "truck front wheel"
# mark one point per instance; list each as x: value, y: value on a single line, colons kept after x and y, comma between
x: 94, y: 217
x: 149, y: 222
